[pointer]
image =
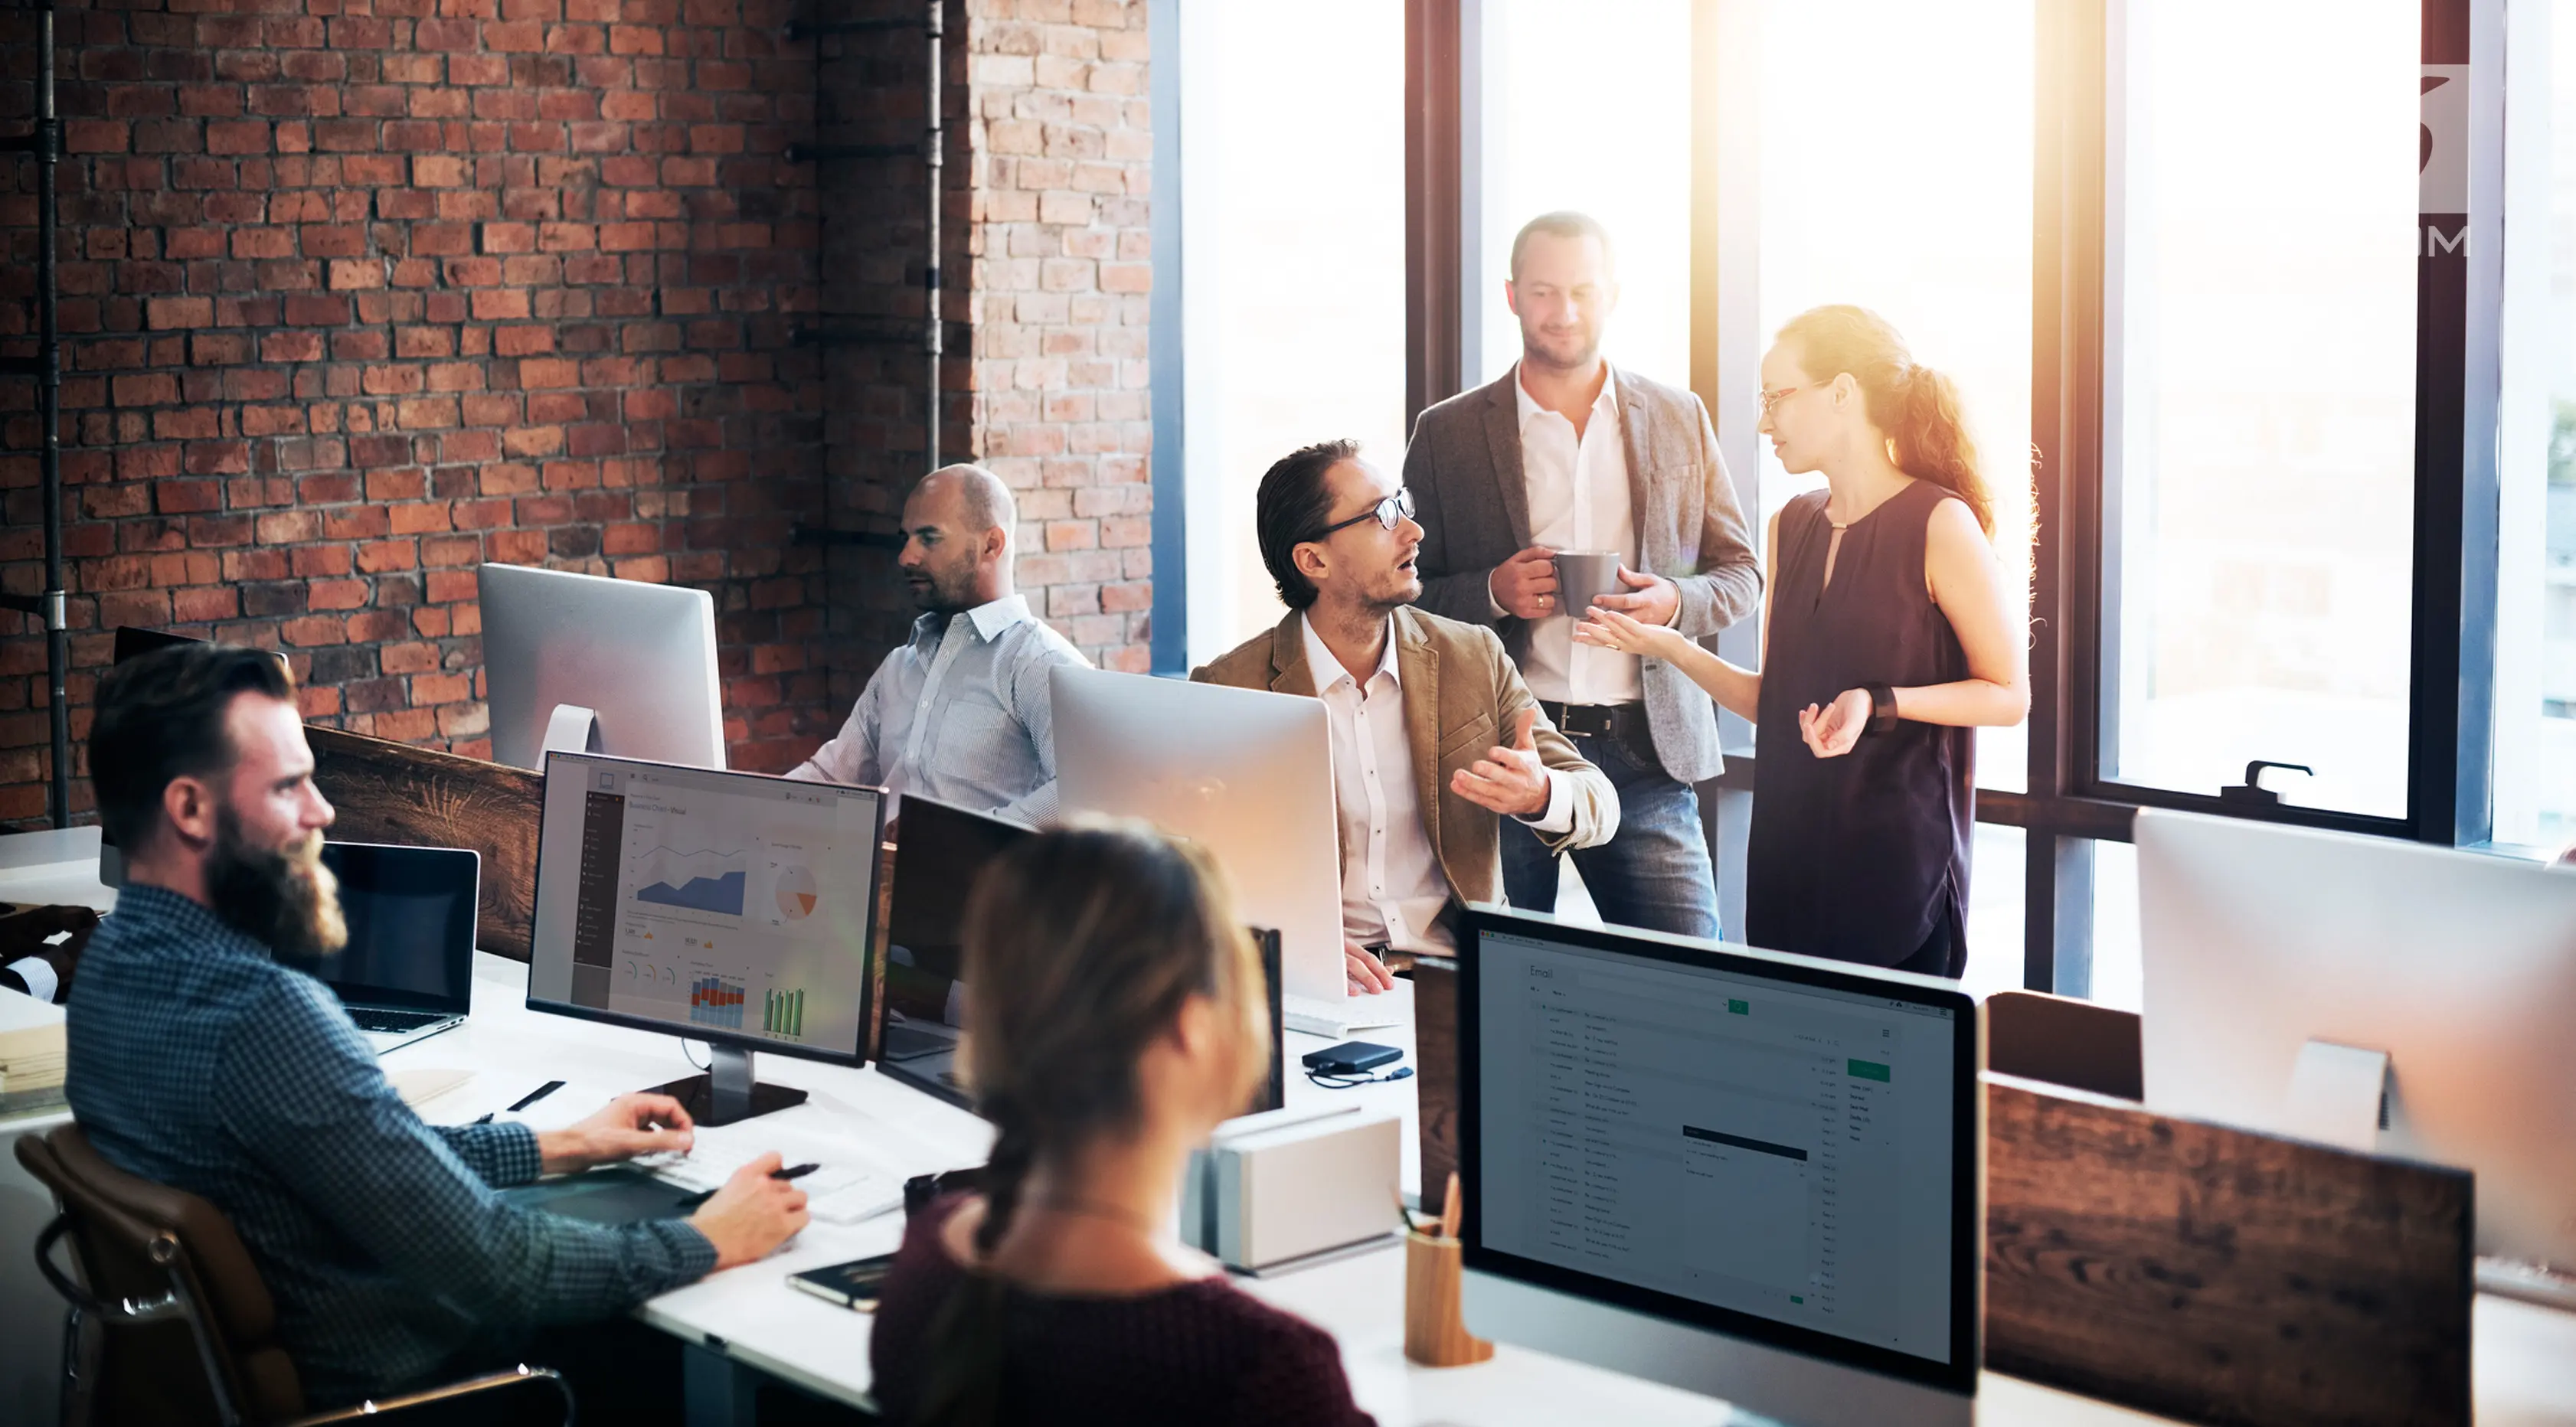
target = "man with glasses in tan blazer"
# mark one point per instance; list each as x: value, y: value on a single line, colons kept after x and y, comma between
x: 1435, y: 739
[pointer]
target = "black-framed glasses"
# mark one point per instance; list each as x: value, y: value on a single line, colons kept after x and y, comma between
x: 1387, y: 512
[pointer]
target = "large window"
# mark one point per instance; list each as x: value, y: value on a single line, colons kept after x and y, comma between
x: 1587, y: 106
x: 2259, y: 419
x: 1895, y: 173
x: 1293, y: 268
x: 2535, y: 695
x: 2189, y: 228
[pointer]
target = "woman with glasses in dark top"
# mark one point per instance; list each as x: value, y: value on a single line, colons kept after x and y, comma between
x: 1115, y: 1014
x: 1892, y: 635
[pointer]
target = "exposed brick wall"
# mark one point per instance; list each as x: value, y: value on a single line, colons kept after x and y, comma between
x: 357, y: 300
x: 1060, y: 153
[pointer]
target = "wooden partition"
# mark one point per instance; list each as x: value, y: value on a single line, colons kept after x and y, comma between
x: 393, y: 792
x: 2206, y: 1273
x: 2218, y: 1275
x: 1435, y: 1063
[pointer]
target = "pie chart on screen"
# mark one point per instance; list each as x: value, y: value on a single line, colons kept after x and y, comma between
x: 795, y: 893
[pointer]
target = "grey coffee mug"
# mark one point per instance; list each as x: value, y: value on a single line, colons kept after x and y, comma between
x: 1583, y: 576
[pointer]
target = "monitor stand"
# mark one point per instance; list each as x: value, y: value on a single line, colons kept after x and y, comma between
x: 571, y: 728
x: 728, y: 1091
x: 2338, y: 1095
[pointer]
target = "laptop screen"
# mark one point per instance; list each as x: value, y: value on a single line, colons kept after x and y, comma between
x: 411, y: 926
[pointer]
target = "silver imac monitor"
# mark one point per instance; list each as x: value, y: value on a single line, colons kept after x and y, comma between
x: 2262, y: 941
x: 587, y: 663
x: 1245, y: 773
x: 733, y: 908
x: 1740, y: 1172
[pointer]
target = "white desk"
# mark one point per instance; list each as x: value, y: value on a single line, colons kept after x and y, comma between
x: 2525, y: 1361
x: 2525, y: 1365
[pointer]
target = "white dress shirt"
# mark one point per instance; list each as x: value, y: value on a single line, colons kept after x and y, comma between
x: 1578, y: 500
x: 960, y: 714
x: 1392, y: 885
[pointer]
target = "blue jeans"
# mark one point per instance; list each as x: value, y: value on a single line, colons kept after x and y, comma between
x: 1655, y: 874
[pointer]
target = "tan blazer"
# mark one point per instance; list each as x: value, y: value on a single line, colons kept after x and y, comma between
x: 1461, y: 697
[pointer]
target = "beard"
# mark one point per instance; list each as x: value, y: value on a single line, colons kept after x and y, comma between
x: 1563, y: 351
x: 284, y: 897
x: 936, y: 593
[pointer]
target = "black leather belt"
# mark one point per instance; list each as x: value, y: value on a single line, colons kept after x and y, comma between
x: 1580, y: 720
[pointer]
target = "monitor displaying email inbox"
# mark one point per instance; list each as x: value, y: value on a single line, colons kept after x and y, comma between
x: 726, y: 906
x: 1767, y: 1149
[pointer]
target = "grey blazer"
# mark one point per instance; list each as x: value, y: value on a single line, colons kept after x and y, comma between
x: 1472, y: 500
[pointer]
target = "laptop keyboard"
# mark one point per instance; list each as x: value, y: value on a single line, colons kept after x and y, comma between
x: 396, y: 1022
x: 909, y: 1042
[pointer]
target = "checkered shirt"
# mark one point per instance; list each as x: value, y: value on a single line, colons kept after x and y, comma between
x: 199, y: 1062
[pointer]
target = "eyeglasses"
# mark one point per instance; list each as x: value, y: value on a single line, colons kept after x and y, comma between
x: 1387, y: 512
x: 1775, y: 395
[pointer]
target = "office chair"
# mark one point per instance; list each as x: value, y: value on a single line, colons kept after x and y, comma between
x: 2065, y: 1041
x: 186, y: 1327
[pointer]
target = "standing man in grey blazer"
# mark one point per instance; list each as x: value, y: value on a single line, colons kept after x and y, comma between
x: 1563, y: 454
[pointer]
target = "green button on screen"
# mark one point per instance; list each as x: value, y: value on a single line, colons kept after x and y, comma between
x: 1868, y: 1070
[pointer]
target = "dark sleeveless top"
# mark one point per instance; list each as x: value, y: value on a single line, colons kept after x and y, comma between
x: 1862, y: 857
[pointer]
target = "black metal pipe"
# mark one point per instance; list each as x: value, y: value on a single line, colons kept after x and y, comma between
x: 934, y: 165
x: 47, y: 143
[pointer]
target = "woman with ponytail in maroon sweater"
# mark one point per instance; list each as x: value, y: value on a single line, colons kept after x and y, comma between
x: 1114, y: 1015
x: 1892, y: 635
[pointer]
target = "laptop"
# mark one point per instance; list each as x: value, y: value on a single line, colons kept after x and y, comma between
x: 408, y: 970
x: 939, y: 852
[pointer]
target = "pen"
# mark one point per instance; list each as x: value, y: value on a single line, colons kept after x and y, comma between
x: 527, y: 1100
x: 536, y: 1095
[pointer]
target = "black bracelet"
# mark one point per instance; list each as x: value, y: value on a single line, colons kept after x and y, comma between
x: 1882, y: 709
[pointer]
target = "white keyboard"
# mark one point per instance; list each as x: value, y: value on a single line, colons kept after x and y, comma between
x: 1335, y: 1019
x: 845, y: 1189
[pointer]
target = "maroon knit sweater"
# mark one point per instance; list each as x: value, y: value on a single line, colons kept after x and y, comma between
x: 1200, y: 1352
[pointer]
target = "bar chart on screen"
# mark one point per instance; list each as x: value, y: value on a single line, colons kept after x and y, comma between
x: 783, y: 1013
x: 714, y: 1001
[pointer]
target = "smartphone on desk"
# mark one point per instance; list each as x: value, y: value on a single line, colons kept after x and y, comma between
x: 853, y: 1285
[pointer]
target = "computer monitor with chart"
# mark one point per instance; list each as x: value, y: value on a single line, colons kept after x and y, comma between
x: 587, y: 663
x: 1743, y: 1173
x: 733, y: 908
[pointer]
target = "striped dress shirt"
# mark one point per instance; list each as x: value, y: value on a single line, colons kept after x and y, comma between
x: 960, y: 714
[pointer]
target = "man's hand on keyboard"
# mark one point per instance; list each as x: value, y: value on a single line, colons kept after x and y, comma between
x: 752, y: 1214
x: 630, y: 1125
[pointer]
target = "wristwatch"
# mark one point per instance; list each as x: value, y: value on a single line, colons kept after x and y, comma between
x: 1882, y: 709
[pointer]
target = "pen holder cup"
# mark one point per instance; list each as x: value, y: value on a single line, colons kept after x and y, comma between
x: 1435, y: 1335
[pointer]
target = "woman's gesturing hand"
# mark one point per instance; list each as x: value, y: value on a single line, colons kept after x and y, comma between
x: 1609, y: 629
x: 1831, y: 731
